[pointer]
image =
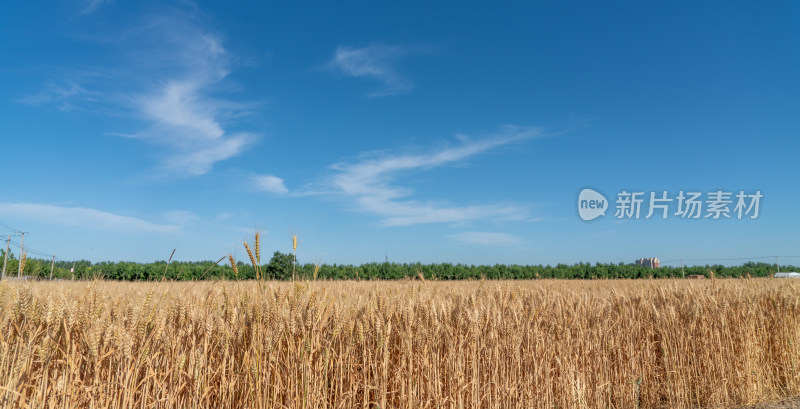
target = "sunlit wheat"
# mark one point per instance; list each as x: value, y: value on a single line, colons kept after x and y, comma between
x: 502, y: 344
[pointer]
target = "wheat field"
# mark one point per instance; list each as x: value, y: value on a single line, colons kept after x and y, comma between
x: 412, y: 344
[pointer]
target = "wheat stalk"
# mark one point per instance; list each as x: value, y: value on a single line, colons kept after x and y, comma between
x: 294, y: 261
x: 471, y: 344
x: 252, y: 259
x: 258, y: 247
x: 22, y: 261
x: 233, y: 266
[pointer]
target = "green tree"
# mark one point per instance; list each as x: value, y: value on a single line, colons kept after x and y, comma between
x: 280, y: 266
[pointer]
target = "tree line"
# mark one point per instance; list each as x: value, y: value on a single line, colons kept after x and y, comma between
x: 281, y: 267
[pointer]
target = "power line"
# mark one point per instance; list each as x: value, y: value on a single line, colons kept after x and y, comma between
x: 39, y: 252
x: 31, y: 250
x: 25, y: 251
x: 8, y: 228
x: 17, y: 232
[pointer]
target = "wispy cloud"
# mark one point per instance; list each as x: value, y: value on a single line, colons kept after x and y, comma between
x: 62, y: 95
x: 270, y: 183
x: 486, y: 238
x: 184, y: 117
x: 172, y: 69
x: 83, y: 217
x: 370, y: 183
x: 92, y: 5
x: 376, y: 62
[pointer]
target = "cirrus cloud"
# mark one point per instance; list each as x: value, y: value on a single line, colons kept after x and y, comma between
x: 371, y: 184
x: 270, y: 183
x: 83, y: 217
x: 171, y: 67
x: 376, y: 62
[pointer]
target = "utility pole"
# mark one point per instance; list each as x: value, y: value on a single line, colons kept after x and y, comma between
x: 21, y: 254
x: 778, y: 265
x: 52, y: 267
x: 682, y: 274
x: 5, y: 259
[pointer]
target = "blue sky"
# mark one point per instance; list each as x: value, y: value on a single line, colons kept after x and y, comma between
x: 451, y: 132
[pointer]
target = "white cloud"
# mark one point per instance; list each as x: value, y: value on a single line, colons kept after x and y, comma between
x: 83, y: 217
x: 185, y: 118
x: 373, y: 62
x: 201, y: 159
x: 270, y: 183
x: 179, y: 106
x: 486, y: 238
x: 370, y: 184
x: 172, y: 69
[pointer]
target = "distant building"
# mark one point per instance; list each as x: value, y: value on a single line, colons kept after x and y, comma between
x: 651, y: 262
x: 787, y: 275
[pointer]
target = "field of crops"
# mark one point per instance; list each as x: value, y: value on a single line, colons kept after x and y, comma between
x: 408, y: 344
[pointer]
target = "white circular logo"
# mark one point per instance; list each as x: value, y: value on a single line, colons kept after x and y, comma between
x: 591, y: 204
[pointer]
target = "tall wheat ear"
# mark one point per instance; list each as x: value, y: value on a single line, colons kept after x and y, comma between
x: 252, y: 258
x: 233, y: 266
x: 294, y: 248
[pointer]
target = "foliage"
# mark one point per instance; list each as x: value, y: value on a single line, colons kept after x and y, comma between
x: 280, y: 268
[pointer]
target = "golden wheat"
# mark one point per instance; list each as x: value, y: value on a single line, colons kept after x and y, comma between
x: 529, y: 344
x: 258, y: 247
x: 22, y: 261
x: 294, y: 260
x: 233, y: 266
